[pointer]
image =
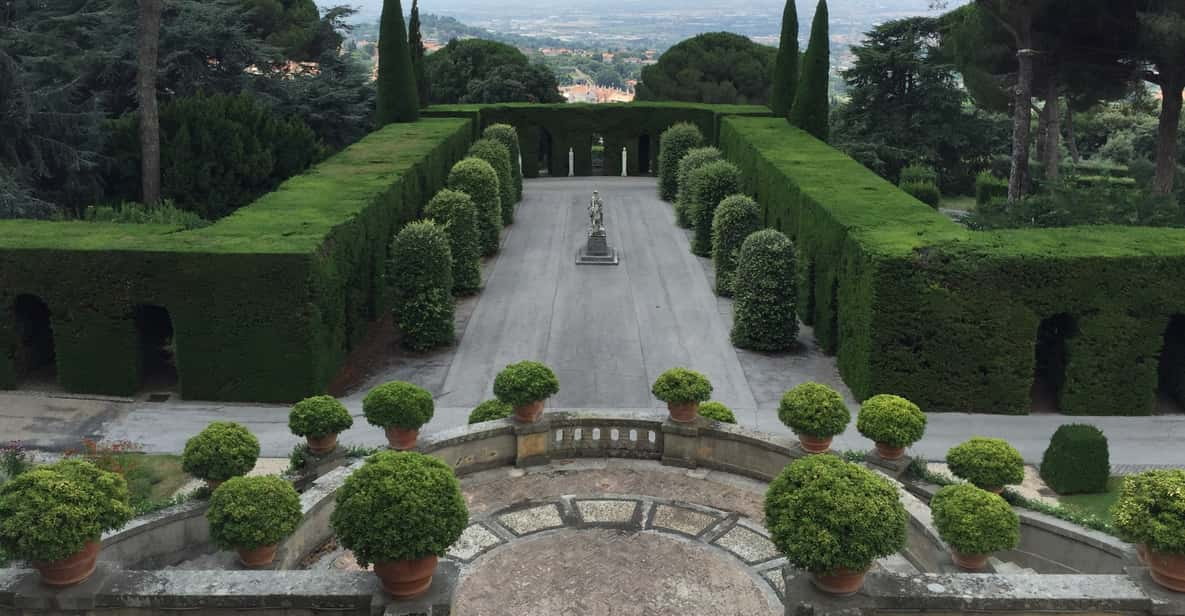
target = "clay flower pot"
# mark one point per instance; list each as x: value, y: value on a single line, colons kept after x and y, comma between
x: 255, y: 558
x: 213, y: 484
x: 404, y: 579
x: 993, y: 489
x: 1142, y: 553
x: 1167, y: 569
x: 841, y: 583
x: 969, y: 562
x: 401, y: 439
x: 71, y: 570
x: 888, y: 452
x: 814, y: 444
x: 528, y: 413
x: 683, y: 413
x: 321, y: 445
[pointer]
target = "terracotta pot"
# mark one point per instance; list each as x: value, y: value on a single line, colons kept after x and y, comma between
x: 683, y: 413
x: 1167, y: 569
x: 255, y: 558
x: 814, y: 444
x: 993, y: 489
x: 404, y: 579
x: 319, y: 446
x: 528, y: 413
x: 1142, y: 553
x: 841, y: 583
x: 71, y: 570
x: 969, y: 562
x: 213, y: 484
x: 401, y: 438
x: 887, y: 452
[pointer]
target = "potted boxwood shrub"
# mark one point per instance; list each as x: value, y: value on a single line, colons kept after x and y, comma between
x: 400, y: 409
x: 1150, y: 512
x: 892, y: 422
x: 990, y: 463
x: 834, y: 519
x: 252, y: 515
x: 682, y: 389
x: 319, y: 419
x: 490, y: 410
x: 974, y: 523
x: 816, y: 413
x: 400, y: 511
x: 525, y: 386
x: 221, y: 451
x: 54, y: 516
x: 716, y: 411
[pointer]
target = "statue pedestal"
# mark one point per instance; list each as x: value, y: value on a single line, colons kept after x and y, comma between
x: 597, y: 251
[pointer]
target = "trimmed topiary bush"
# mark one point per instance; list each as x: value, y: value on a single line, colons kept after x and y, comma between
x: 497, y: 154
x: 826, y: 514
x: 675, y: 142
x: 988, y: 188
x: 815, y: 410
x: 926, y: 192
x: 252, y: 512
x: 682, y: 386
x: 918, y: 174
x: 694, y: 159
x: 974, y: 521
x: 507, y: 135
x: 223, y: 450
x: 52, y: 511
x: 989, y: 463
x: 1151, y: 510
x: 398, y: 405
x: 421, y: 273
x: 476, y: 178
x: 490, y: 410
x: 737, y: 218
x: 717, y: 412
x: 891, y: 420
x: 399, y: 506
x: 765, y: 314
x: 708, y: 186
x: 522, y: 383
x: 1077, y: 460
x: 318, y: 417
x: 454, y: 211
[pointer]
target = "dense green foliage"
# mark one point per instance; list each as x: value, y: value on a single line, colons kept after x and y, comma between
x: 989, y: 188
x: 222, y: 450
x: 454, y: 211
x: 812, y: 100
x: 490, y: 410
x: 507, y: 135
x: 252, y: 512
x: 522, y: 383
x: 815, y: 410
x: 497, y: 155
x: 421, y: 272
x: 974, y: 521
x: 1072, y: 202
x: 1077, y: 460
x: 478, y: 179
x: 891, y: 420
x: 1151, y: 510
x: 480, y: 71
x: 826, y: 514
x: 677, y: 141
x: 399, y: 506
x: 131, y: 213
x: 398, y: 97
x: 717, y: 67
x: 737, y: 217
x: 716, y: 411
x: 707, y: 186
x: 785, y: 80
x: 986, y: 462
x: 926, y: 192
x: 765, y: 313
x: 319, y: 416
x: 681, y: 386
x: 415, y: 46
x: 692, y: 160
x: 398, y: 405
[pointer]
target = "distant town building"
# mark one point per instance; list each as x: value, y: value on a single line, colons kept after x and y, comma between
x: 584, y: 93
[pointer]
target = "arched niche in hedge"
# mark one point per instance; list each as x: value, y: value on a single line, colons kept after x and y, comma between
x: 33, y: 352
x: 1051, y: 359
x: 1171, y: 381
x: 157, y: 347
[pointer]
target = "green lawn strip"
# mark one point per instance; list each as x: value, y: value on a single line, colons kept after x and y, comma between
x: 1098, y: 505
x: 152, y: 478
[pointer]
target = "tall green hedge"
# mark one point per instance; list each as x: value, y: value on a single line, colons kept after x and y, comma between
x: 764, y: 314
x: 476, y: 178
x: 495, y: 153
x: 507, y: 135
x: 694, y: 159
x: 676, y: 142
x: 454, y: 211
x: 737, y: 218
x: 707, y: 187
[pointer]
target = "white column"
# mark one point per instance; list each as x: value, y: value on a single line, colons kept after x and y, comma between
x: 624, y: 159
x: 571, y: 162
x: 520, y: 164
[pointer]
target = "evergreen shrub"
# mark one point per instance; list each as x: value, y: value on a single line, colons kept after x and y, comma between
x: 815, y: 410
x: 522, y: 383
x: 507, y: 135
x: 765, y: 314
x: 421, y: 273
x: 918, y: 173
x: 989, y: 188
x: 1077, y: 460
x: 397, y: 95
x: 986, y: 462
x: 812, y: 99
x: 398, y: 405
x: 974, y: 521
x: 490, y: 410
x: 708, y: 186
x: 476, y: 178
x: 253, y: 512
x: 716, y: 411
x: 682, y: 386
x: 676, y: 141
x: 319, y: 416
x: 1151, y: 510
x: 891, y: 420
x: 454, y: 211
x: 494, y: 152
x: 737, y: 218
x: 694, y: 159
x: 223, y: 450
x: 926, y: 192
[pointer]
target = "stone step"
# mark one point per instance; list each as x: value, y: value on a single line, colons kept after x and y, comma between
x: 1006, y: 568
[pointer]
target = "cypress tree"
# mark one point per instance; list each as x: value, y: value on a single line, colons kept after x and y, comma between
x: 415, y: 42
x: 781, y: 95
x: 812, y: 104
x: 398, y: 98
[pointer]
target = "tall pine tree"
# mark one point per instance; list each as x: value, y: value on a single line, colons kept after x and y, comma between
x: 398, y: 97
x: 812, y: 103
x: 781, y: 95
x: 415, y: 41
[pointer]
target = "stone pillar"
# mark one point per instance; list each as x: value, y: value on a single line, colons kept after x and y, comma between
x: 680, y: 443
x: 532, y: 442
x: 624, y: 165
x: 571, y: 162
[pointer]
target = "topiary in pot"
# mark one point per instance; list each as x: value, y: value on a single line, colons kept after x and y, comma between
x: 694, y: 159
x: 507, y: 135
x: 707, y: 187
x: 834, y: 519
x: 400, y: 511
x: 54, y: 516
x: 498, y: 155
x: 682, y: 389
x: 476, y: 178
x: 892, y: 422
x: 717, y: 412
x: 990, y: 463
x: 524, y: 386
x: 401, y: 409
x: 454, y: 211
x: 319, y: 419
x: 737, y: 218
x: 421, y: 274
x: 816, y: 413
x: 490, y: 410
x: 1150, y: 512
x: 221, y: 451
x: 974, y: 523
x: 675, y: 142
x: 252, y: 515
x: 765, y: 316
x: 1077, y: 460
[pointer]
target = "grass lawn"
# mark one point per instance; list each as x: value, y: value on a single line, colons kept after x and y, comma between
x: 1098, y: 505
x: 152, y: 478
x: 959, y: 202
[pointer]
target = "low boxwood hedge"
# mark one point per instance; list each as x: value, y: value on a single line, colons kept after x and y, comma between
x: 676, y: 141
x: 498, y: 156
x: 422, y: 281
x: 454, y: 211
x: 223, y: 450
x: 682, y: 386
x: 926, y: 192
x: 252, y: 512
x: 765, y: 313
x: 716, y: 411
x: 694, y: 159
x: 522, y: 383
x: 815, y: 410
x: 490, y: 410
x: 398, y: 405
x: 1151, y: 510
x: 891, y: 420
x: 974, y: 521
x: 707, y: 187
x: 737, y: 218
x: 1077, y: 460
x: 476, y: 178
x: 986, y: 462
x: 318, y: 417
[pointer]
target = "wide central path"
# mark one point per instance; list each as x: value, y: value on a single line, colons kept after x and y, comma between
x: 607, y: 331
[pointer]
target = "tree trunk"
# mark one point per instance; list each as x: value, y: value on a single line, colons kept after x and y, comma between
x: 1022, y: 117
x: 149, y: 47
x: 1053, y: 132
x: 1171, y: 83
x: 1071, y: 138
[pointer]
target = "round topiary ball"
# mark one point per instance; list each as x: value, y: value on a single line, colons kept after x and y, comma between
x: 493, y: 152
x: 815, y: 410
x: 974, y: 521
x: 399, y: 506
x: 990, y: 463
x: 891, y: 420
x: 507, y: 135
x: 253, y: 512
x: 421, y: 274
x: 454, y: 211
x: 1077, y: 460
x: 476, y: 178
x: 765, y: 315
x: 682, y: 386
x: 674, y: 143
x: 398, y: 405
x: 221, y: 451
x: 1151, y: 510
x: 708, y: 186
x: 736, y: 219
x: 490, y: 410
x: 717, y: 412
x: 525, y: 382
x: 318, y: 417
x: 694, y: 159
